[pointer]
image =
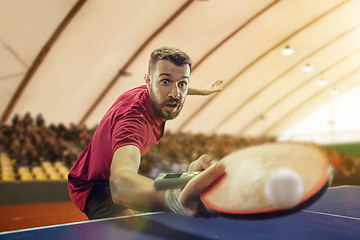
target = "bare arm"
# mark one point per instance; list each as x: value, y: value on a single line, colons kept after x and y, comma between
x: 213, y: 88
x: 131, y: 190
x: 128, y: 188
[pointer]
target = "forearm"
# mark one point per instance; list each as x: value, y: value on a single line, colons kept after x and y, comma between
x: 194, y: 91
x: 213, y: 88
x: 134, y: 191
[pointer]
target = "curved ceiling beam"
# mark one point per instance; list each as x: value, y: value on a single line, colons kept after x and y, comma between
x: 123, y: 71
x: 304, y: 83
x: 211, y: 98
x: 39, y: 59
x: 13, y: 52
x: 309, y: 99
x: 232, y: 35
x: 262, y: 56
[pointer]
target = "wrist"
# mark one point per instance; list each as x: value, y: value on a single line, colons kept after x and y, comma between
x: 172, y: 202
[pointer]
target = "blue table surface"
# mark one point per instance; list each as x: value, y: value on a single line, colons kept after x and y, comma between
x: 336, y: 215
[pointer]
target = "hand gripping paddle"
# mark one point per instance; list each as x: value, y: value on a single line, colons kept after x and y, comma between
x: 262, y: 181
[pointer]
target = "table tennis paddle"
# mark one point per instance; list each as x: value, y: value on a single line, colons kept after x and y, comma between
x: 243, y: 190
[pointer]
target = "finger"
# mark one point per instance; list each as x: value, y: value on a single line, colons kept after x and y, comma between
x: 190, y: 195
x: 199, y: 183
x: 206, y: 178
x: 201, y: 163
x: 214, y: 161
x: 217, y: 83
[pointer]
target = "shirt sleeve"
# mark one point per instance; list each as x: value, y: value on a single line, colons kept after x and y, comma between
x: 129, y: 130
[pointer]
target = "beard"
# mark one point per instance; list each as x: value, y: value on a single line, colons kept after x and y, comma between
x: 160, y: 107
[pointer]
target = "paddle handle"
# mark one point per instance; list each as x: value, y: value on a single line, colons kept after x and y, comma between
x: 173, y: 180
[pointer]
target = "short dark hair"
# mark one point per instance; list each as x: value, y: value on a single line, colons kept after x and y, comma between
x: 172, y: 54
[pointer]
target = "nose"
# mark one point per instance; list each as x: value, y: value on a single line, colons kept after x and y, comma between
x: 175, y: 92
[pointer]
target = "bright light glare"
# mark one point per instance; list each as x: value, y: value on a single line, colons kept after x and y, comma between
x: 334, y: 92
x: 287, y: 51
x: 308, y: 68
x: 322, y: 82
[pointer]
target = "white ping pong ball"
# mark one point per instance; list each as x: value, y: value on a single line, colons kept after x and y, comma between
x: 284, y: 188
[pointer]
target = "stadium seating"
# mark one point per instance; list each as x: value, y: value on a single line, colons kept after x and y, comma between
x: 7, y: 169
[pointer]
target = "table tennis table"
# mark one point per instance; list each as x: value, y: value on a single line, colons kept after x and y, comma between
x: 336, y: 215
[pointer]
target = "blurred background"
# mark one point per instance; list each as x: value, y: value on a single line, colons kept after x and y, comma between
x: 291, y: 72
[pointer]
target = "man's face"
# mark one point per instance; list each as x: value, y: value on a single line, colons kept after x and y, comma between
x: 168, y: 87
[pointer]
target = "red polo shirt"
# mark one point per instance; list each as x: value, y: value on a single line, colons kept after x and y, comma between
x: 131, y: 120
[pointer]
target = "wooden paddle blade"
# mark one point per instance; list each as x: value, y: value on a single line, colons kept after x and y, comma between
x: 241, y: 191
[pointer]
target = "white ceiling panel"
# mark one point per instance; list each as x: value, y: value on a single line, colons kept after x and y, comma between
x: 322, y: 124
x: 86, y: 57
x: 25, y: 26
x: 71, y: 59
x: 289, y: 83
x: 315, y: 102
x: 8, y: 86
x: 252, y: 75
x: 10, y: 63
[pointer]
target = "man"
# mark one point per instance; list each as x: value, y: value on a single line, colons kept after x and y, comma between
x: 104, y: 181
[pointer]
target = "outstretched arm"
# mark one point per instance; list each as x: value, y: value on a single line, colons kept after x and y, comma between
x: 213, y: 88
x: 128, y: 188
x: 131, y: 190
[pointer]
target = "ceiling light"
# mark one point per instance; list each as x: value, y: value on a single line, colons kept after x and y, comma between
x: 322, y: 82
x: 334, y: 92
x: 287, y: 51
x: 307, y: 68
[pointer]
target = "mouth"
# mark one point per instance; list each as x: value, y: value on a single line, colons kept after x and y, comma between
x: 170, y: 108
x: 172, y: 105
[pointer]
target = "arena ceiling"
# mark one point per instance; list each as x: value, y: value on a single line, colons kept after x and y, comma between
x: 70, y: 59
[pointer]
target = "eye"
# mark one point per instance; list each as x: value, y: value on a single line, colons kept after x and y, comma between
x: 182, y: 84
x: 165, y: 81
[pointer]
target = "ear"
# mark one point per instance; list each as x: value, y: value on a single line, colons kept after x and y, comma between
x: 147, y: 80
